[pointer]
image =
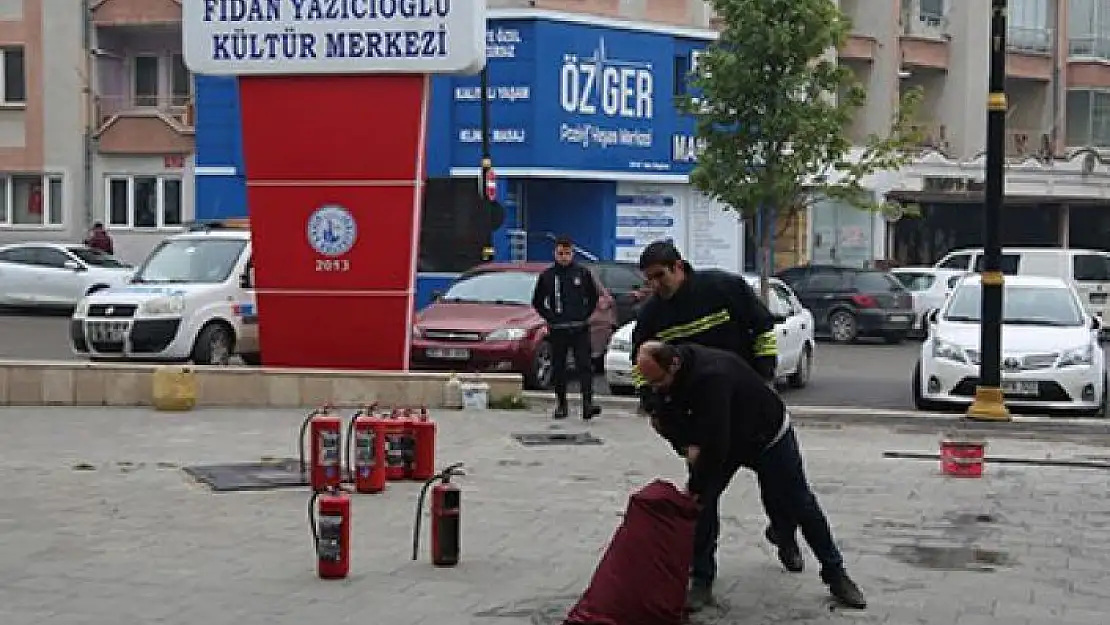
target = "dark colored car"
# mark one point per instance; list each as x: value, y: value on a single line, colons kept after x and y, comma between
x: 848, y: 302
x: 625, y: 283
x: 485, y: 322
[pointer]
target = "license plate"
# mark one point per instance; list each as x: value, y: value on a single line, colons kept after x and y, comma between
x: 1014, y: 387
x: 899, y: 318
x: 107, y: 331
x: 1098, y: 298
x: 449, y: 353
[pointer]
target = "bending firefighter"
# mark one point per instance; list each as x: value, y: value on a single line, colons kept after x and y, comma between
x: 714, y: 309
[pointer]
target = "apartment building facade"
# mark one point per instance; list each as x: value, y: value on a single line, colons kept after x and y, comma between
x: 95, y: 121
x: 1058, y: 122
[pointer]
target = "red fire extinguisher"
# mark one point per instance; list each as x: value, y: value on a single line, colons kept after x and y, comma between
x: 324, y: 439
x: 424, y: 446
x: 331, y: 532
x: 446, y: 509
x: 367, y: 467
x: 396, y: 434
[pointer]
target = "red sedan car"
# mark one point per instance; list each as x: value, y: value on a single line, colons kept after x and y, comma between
x: 485, y: 322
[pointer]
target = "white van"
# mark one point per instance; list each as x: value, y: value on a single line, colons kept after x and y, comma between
x: 192, y: 299
x: 1088, y: 270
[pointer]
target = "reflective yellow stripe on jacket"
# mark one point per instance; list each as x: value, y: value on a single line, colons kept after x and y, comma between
x: 697, y: 326
x: 766, y: 344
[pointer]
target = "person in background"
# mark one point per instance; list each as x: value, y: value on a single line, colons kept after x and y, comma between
x: 99, y: 239
x: 724, y: 416
x: 566, y: 296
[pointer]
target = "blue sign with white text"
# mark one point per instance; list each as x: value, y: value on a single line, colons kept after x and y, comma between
x: 575, y: 97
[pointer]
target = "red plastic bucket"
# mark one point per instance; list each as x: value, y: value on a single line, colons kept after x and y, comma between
x: 962, y: 458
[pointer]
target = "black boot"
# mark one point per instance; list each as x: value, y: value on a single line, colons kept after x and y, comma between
x: 560, y: 408
x: 589, y: 408
x: 843, y: 589
x: 789, y: 553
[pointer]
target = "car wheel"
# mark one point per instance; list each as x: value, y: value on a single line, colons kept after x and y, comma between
x: 539, y: 378
x: 842, y: 327
x: 800, y: 377
x: 919, y: 401
x: 622, y: 389
x: 214, y: 345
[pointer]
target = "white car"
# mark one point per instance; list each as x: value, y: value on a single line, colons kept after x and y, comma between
x: 192, y: 299
x: 1051, y: 358
x: 56, y: 275
x: 793, y: 327
x: 929, y: 287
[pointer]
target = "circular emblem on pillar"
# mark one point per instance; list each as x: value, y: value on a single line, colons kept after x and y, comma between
x: 332, y: 230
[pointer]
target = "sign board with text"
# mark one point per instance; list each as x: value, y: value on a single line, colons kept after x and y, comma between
x: 569, y: 96
x: 282, y: 37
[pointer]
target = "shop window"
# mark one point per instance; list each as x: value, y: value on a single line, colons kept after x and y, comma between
x: 144, y: 202
x: 31, y: 200
x: 454, y: 226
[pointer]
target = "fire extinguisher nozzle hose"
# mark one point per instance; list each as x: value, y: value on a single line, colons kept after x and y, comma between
x: 300, y: 442
x: 312, y: 522
x: 347, y: 449
x: 419, y: 514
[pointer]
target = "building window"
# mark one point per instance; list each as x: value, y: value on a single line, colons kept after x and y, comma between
x: 1089, y: 28
x: 143, y: 202
x: 181, y: 81
x: 1029, y: 26
x: 932, y: 12
x: 31, y: 200
x: 1088, y: 118
x: 14, y: 83
x: 146, y: 80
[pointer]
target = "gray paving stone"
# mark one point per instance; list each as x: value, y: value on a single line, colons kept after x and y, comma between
x: 136, y: 541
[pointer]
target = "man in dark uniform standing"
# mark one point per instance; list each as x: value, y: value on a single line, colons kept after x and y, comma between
x: 725, y: 416
x: 716, y: 309
x: 566, y: 296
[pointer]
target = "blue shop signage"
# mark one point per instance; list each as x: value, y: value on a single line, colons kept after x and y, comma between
x: 575, y: 97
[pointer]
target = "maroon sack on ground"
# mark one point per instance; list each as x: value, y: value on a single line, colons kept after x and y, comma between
x: 642, y: 578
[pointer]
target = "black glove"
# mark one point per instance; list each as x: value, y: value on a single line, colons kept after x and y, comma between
x: 765, y: 366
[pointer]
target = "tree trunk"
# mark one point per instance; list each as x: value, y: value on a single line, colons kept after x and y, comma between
x: 766, y: 254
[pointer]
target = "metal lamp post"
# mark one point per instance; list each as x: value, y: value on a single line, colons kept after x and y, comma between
x: 487, y: 160
x: 989, y: 404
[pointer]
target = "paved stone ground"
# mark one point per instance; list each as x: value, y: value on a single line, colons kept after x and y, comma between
x: 135, y: 541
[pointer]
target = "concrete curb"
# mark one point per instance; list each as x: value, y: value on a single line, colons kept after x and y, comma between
x: 61, y: 383
x: 860, y: 415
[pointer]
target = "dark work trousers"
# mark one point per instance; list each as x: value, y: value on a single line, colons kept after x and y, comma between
x: 563, y: 341
x: 787, y: 499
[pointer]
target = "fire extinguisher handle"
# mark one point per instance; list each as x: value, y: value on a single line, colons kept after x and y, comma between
x: 454, y: 469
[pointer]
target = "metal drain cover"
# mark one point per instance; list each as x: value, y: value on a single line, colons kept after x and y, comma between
x: 536, y: 439
x: 249, y: 476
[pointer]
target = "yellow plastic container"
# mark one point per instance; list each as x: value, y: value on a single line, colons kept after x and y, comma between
x: 175, y: 389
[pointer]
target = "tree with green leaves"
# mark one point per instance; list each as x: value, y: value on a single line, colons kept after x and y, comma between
x: 773, y: 111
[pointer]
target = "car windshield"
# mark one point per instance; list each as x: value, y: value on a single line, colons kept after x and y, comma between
x: 191, y: 261
x: 1022, y: 305
x: 916, y: 281
x: 96, y: 258
x: 494, y: 287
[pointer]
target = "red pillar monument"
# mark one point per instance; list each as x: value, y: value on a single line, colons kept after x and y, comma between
x: 334, y: 97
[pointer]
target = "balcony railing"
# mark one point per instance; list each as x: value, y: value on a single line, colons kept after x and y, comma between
x: 1092, y: 46
x: 1024, y: 143
x: 934, y: 136
x: 1035, y: 40
x: 179, y: 109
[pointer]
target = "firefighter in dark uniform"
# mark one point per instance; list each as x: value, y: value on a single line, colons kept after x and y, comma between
x: 712, y: 308
x: 566, y: 296
x: 725, y: 416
